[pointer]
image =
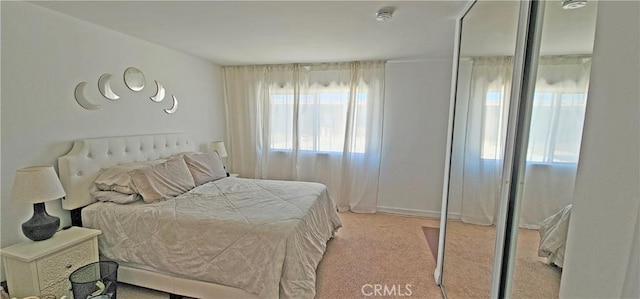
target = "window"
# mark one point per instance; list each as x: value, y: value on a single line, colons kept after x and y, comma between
x: 493, y: 124
x: 321, y: 119
x: 556, y: 127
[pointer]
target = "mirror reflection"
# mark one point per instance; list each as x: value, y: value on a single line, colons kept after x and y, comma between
x: 485, y: 72
x: 487, y: 47
x: 557, y: 119
x: 134, y: 79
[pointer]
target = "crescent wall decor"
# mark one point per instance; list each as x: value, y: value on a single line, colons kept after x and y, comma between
x: 159, y: 96
x: 134, y: 79
x: 104, y: 85
x: 82, y: 100
x: 173, y: 108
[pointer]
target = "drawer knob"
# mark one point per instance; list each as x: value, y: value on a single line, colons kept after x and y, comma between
x: 69, y: 266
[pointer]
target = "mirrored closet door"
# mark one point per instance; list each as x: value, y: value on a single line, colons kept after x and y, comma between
x: 553, y: 147
x: 483, y: 87
x: 519, y: 100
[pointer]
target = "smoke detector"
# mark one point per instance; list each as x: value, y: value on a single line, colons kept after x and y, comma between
x: 573, y: 4
x: 384, y: 14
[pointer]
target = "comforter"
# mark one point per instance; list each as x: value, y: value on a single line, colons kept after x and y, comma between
x: 265, y: 237
x: 553, y: 236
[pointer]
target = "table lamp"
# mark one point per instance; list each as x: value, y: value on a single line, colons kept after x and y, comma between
x: 218, y: 146
x: 38, y: 185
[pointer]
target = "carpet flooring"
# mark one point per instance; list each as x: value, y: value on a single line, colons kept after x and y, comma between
x: 468, y: 264
x: 392, y: 251
x: 386, y: 250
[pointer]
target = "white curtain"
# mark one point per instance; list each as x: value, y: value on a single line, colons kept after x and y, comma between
x: 554, y: 142
x: 483, y: 146
x: 320, y: 122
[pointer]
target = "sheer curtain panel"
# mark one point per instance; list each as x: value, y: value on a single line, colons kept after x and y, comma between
x: 318, y: 122
x: 484, y: 142
x: 554, y: 140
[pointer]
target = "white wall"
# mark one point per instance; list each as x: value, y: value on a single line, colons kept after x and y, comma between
x: 46, y: 54
x: 416, y: 113
x: 599, y: 255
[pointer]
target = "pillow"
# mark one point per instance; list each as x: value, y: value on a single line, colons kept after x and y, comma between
x: 205, y: 167
x: 161, y: 181
x: 117, y: 178
x: 112, y: 196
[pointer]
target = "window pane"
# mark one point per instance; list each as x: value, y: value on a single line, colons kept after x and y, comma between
x: 281, y: 121
x: 361, y: 123
x: 540, y: 132
x: 569, y: 129
x: 491, y: 126
x: 307, y: 119
x: 332, y: 119
x: 322, y: 120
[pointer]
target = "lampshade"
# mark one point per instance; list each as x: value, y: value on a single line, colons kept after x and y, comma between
x: 37, y: 184
x: 218, y: 146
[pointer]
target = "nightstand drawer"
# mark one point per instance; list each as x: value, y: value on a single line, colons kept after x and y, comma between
x: 57, y: 267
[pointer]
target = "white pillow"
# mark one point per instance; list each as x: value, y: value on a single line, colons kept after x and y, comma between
x: 164, y: 180
x: 113, y: 196
x: 205, y: 167
x: 117, y: 178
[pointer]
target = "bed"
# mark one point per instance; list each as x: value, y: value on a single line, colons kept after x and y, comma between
x: 553, y: 236
x: 229, y: 238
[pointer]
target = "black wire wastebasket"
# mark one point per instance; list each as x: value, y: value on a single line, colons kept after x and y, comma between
x: 96, y: 280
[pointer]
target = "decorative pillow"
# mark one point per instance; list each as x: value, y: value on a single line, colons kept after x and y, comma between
x: 162, y: 181
x: 205, y: 167
x: 113, y: 196
x: 117, y: 178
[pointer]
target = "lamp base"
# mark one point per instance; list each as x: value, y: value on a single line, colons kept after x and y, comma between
x: 41, y: 226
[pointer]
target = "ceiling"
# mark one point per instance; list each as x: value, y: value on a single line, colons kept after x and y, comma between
x: 269, y: 32
x: 489, y: 29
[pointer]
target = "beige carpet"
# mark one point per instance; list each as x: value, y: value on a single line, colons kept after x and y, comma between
x: 378, y: 249
x: 392, y: 250
x: 469, y: 263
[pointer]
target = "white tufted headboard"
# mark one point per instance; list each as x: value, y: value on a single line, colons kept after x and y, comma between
x: 80, y: 167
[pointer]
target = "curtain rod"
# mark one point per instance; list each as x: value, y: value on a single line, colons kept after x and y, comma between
x: 307, y: 64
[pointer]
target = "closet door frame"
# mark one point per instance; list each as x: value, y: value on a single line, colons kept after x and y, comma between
x: 517, y: 140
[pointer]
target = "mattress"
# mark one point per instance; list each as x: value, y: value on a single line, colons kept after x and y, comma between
x: 265, y: 237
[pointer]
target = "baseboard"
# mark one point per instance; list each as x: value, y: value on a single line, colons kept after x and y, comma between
x: 415, y: 212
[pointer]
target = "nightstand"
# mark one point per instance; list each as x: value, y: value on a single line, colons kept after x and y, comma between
x: 43, y: 267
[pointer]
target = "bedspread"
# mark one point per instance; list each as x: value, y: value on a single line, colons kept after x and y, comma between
x: 553, y: 236
x: 266, y: 237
